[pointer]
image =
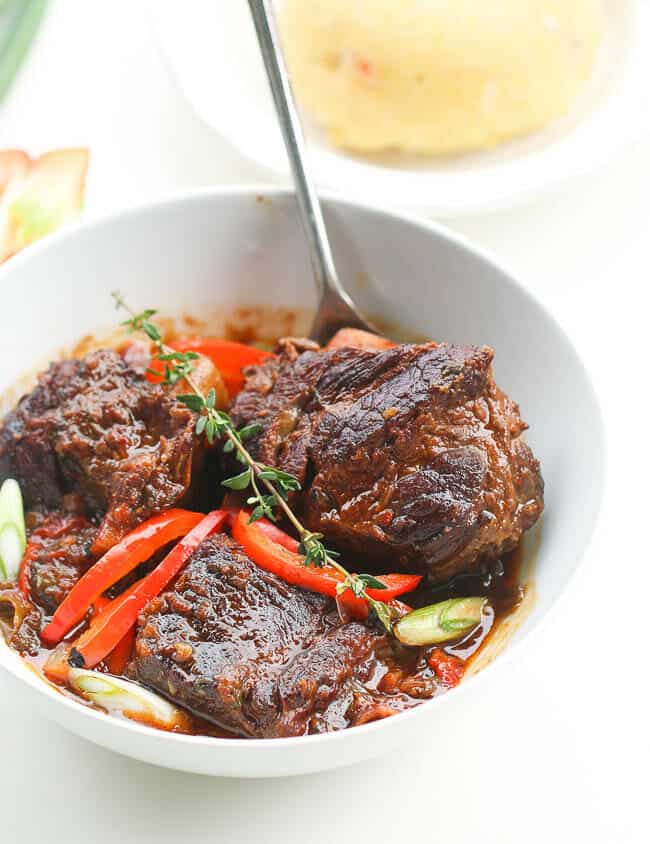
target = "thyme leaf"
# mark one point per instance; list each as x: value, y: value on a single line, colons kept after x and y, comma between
x: 270, y: 487
x: 238, y: 481
x: 371, y: 582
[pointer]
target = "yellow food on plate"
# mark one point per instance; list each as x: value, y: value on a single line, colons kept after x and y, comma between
x: 438, y: 76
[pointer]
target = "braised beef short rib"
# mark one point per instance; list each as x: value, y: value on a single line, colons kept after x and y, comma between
x: 99, y: 430
x: 410, y: 457
x: 242, y: 648
x: 59, y: 553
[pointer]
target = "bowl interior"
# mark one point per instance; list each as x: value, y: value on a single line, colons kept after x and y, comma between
x: 240, y: 248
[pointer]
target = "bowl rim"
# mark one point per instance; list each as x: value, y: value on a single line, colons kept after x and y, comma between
x: 254, y: 190
x: 567, y: 150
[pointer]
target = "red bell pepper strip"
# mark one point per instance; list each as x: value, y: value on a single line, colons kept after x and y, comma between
x: 104, y: 610
x: 288, y: 565
x: 229, y: 358
x: 118, y: 658
x: 272, y: 531
x: 104, y: 607
x: 115, y: 622
x: 57, y: 664
x: 52, y: 528
x: 233, y: 504
x: 99, y: 604
x: 122, y: 558
x: 277, y: 535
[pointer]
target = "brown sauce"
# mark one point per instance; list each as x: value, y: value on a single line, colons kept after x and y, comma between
x: 501, y: 583
x: 499, y: 580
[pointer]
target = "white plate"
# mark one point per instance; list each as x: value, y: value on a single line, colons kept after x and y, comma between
x: 211, y: 49
x: 226, y: 247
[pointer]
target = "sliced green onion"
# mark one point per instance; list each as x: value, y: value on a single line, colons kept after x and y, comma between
x: 441, y: 622
x: 116, y: 695
x: 12, y: 529
x: 11, y: 552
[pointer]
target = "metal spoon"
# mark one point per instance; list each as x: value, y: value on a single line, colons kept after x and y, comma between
x: 336, y: 309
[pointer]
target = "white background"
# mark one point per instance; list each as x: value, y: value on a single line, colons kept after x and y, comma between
x: 557, y: 748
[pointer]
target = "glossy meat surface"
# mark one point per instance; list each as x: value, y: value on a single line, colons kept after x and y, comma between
x: 97, y: 428
x: 59, y: 553
x: 242, y: 648
x: 410, y: 456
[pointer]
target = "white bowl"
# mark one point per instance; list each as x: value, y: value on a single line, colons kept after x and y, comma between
x: 212, y: 52
x: 228, y: 247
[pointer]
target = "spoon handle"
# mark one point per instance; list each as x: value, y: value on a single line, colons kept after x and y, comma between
x: 312, y: 215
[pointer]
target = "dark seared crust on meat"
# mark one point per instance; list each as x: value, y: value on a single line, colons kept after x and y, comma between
x: 98, y: 428
x: 410, y: 456
x: 244, y: 649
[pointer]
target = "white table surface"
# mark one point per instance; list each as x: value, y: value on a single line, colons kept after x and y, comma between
x: 557, y: 748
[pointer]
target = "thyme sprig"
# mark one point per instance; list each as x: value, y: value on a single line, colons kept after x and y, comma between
x: 270, y: 487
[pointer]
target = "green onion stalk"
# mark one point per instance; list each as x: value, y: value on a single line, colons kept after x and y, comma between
x: 13, y: 539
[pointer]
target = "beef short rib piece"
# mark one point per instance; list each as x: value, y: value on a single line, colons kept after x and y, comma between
x: 59, y: 553
x: 242, y: 648
x: 410, y: 456
x: 97, y: 428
